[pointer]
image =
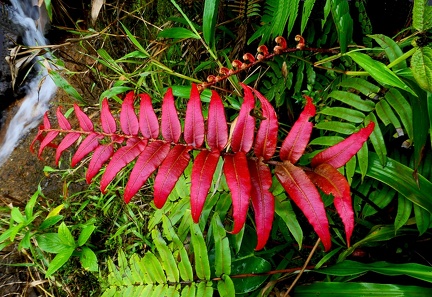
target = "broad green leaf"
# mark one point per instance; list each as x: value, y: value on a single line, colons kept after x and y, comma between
x: 250, y: 264
x: 211, y: 8
x: 85, y: 234
x: 377, y: 138
x: 422, y: 217
x: 55, y: 211
x: 387, y: 116
x: 202, y: 265
x: 379, y: 71
x: 51, y: 243
x: 421, y: 65
x: 166, y: 256
x: 347, y: 268
x: 64, y: 84
x: 65, y: 235
x: 284, y: 210
x: 51, y: 221
x: 353, y: 100
x: 307, y: 10
x: 347, y: 114
x: 400, y: 178
x: 16, y: 215
x: 422, y: 15
x: 343, y: 22
x: 226, y: 287
x: 222, y: 248
x: 391, y: 49
x: 88, y: 259
x: 360, y: 84
x: 59, y: 260
x: 339, y: 127
x: 336, y: 289
x: 402, y: 108
x: 403, y: 212
x: 177, y: 32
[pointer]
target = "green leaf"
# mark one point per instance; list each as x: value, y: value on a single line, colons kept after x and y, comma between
x: 381, y: 198
x: 403, y: 212
x: 391, y: 49
x: 48, y: 7
x: 222, y: 248
x: 366, y: 88
x: 422, y: 217
x: 166, y: 256
x: 88, y: 259
x: 421, y: 65
x: 28, y: 211
x: 185, y: 91
x: 154, y: 268
x: 420, y: 120
x: 85, y: 234
x: 59, y: 260
x: 307, y: 10
x: 64, y: 84
x: 177, y: 32
x: 363, y: 159
x: 284, y: 210
x: 422, y: 15
x: 49, y: 222
x: 51, y: 243
x: 402, y: 108
x: 293, y: 7
x: 326, y: 140
x: 202, y: 265
x: 250, y: 264
x: 135, y: 41
x: 387, y: 116
x: 347, y: 268
x: 226, y: 287
x: 379, y: 71
x: 353, y: 100
x: 429, y: 108
x: 65, y: 235
x: 16, y: 215
x: 377, y: 138
x: 339, y: 127
x: 209, y: 21
x: 343, y: 22
x: 205, y: 289
x: 344, y: 113
x: 336, y: 289
x: 114, y: 91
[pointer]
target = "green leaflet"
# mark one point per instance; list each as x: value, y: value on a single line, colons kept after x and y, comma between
x: 363, y: 159
x: 307, y: 9
x: 403, y: 212
x: 353, y: 100
x: 209, y: 21
x: 326, y: 140
x: 65, y: 85
x: 387, y: 116
x: 226, y: 287
x: 422, y: 217
x: 421, y: 65
x: 347, y: 268
x: 222, y: 248
x: 422, y: 15
x: 343, y: 22
x: 202, y: 264
x: 420, y: 120
x: 377, y: 138
x: 366, y: 88
x: 391, y: 49
x: 379, y: 71
x: 339, y: 127
x: 59, y: 260
x: 292, y: 15
x: 167, y: 259
x: 344, y: 113
x: 177, y: 32
x: 381, y: 198
x: 402, y: 108
x: 284, y: 209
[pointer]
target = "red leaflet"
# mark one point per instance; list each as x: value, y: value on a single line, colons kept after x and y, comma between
x: 170, y: 125
x: 303, y: 192
x: 84, y: 121
x: 266, y: 138
x: 339, y: 154
x: 194, y: 121
x: 47, y: 140
x: 148, y: 122
x: 238, y: 179
x: 169, y: 173
x: 147, y: 162
x: 331, y: 181
x: 217, y: 134
x: 242, y: 137
x: 86, y: 147
x: 101, y: 154
x: 46, y: 122
x: 39, y: 137
x: 262, y: 200
x: 120, y: 159
x: 203, y: 169
x: 62, y: 121
x: 295, y: 143
x: 65, y: 144
x: 128, y: 118
x: 108, y: 122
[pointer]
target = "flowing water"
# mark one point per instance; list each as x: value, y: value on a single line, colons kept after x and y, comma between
x: 39, y: 90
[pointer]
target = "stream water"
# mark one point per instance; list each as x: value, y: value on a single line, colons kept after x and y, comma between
x: 40, y: 89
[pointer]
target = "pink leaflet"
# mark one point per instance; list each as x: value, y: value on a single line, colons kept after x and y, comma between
x: 108, y: 122
x: 120, y: 159
x: 62, y: 121
x: 101, y: 154
x: 262, y: 200
x: 84, y: 121
x: 46, y: 121
x: 86, y: 147
x: 266, y: 137
x: 47, y: 141
x: 128, y: 119
x: 295, y: 143
x: 304, y: 194
x: 148, y: 161
x: 339, y: 154
x: 148, y: 122
x: 203, y: 170
x: 67, y: 141
x: 170, y: 123
x: 194, y: 121
x: 242, y: 137
x: 39, y: 137
x: 169, y: 172
x: 238, y: 179
x: 217, y: 134
x: 331, y: 181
